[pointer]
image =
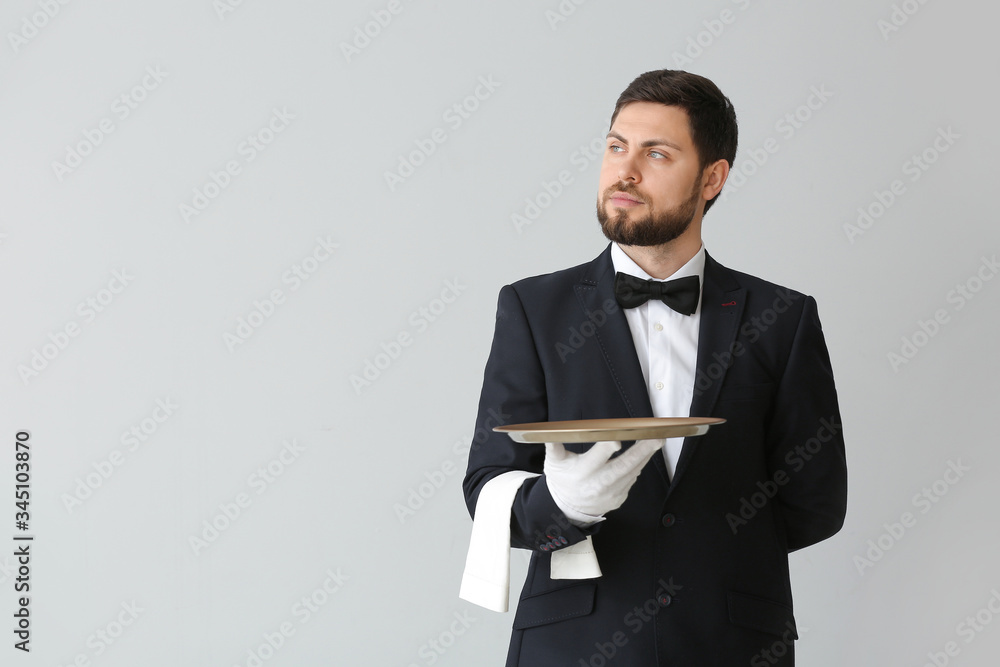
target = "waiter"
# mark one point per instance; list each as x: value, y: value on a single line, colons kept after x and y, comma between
x: 691, y: 535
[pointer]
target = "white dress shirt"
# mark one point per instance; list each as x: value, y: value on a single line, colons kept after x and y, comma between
x: 666, y: 343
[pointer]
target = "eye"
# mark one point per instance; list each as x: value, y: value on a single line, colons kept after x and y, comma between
x: 663, y: 155
x: 612, y: 148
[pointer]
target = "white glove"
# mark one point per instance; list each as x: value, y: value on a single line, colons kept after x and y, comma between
x: 587, y: 486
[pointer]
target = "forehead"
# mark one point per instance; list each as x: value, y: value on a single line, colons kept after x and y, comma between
x: 644, y: 120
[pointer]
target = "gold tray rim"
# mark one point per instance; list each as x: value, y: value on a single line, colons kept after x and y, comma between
x: 620, y: 429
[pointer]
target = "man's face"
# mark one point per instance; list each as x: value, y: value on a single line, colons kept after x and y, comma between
x: 650, y: 188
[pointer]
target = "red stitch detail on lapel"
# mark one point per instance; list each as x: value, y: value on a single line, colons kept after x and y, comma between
x: 731, y: 303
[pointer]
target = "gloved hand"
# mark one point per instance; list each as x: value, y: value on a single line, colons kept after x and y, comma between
x: 587, y: 486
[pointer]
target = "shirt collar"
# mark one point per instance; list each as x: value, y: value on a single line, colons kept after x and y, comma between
x: 694, y: 266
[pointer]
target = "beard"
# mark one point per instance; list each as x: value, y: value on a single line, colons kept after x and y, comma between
x: 656, y: 228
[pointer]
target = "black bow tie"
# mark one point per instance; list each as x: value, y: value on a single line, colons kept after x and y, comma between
x: 680, y: 294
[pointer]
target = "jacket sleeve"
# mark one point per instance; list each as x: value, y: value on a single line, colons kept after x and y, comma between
x: 514, y: 393
x: 806, y: 441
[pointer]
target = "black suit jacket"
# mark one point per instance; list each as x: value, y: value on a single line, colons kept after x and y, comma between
x: 695, y: 569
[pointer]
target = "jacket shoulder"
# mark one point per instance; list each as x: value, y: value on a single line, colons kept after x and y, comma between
x: 552, y: 292
x: 760, y: 289
x: 553, y: 281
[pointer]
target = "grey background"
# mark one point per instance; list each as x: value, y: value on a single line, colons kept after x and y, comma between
x: 365, y: 453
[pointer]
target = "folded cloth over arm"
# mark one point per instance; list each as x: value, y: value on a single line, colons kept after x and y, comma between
x: 486, y: 581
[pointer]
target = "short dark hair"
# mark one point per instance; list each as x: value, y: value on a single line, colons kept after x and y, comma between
x: 710, y: 113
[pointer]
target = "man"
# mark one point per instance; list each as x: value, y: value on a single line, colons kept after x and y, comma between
x: 691, y: 535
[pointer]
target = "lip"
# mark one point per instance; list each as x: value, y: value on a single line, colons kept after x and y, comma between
x: 622, y: 199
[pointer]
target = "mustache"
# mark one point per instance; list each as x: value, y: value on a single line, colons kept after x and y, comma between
x: 630, y: 191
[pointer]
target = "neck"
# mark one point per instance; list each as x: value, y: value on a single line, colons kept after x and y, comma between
x: 662, y: 261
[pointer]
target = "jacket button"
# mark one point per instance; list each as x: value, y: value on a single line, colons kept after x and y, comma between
x: 669, y: 520
x: 665, y: 600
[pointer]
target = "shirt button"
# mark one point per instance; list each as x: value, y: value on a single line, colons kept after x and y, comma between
x: 665, y: 600
x: 658, y: 326
x: 658, y: 385
x: 669, y: 520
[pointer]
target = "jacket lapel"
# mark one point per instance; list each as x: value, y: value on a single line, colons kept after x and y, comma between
x: 722, y: 301
x: 594, y: 291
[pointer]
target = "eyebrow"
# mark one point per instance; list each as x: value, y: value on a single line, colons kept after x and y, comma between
x: 648, y: 143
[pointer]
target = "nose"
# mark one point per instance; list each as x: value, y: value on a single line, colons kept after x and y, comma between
x: 628, y: 171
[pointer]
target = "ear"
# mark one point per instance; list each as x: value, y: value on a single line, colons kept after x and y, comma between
x: 713, y: 178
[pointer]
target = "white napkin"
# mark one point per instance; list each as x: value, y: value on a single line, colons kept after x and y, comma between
x: 486, y: 580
